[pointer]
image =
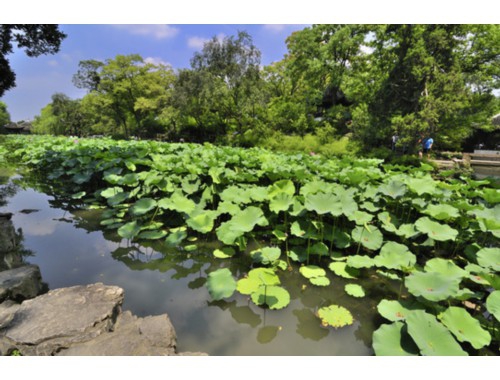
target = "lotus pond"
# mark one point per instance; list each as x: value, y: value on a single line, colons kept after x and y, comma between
x: 259, y: 253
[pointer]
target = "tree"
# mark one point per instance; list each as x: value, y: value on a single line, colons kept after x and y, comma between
x: 35, y: 39
x: 4, y: 115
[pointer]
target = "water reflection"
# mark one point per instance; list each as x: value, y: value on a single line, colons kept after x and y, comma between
x: 72, y: 248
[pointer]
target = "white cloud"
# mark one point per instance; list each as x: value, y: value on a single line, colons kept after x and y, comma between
x: 156, y: 61
x: 53, y: 63
x: 275, y: 27
x: 157, y: 31
x: 197, y: 42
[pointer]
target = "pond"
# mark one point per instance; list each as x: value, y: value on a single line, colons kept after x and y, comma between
x: 71, y: 248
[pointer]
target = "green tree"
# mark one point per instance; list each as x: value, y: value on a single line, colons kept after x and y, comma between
x: 35, y: 39
x: 4, y: 114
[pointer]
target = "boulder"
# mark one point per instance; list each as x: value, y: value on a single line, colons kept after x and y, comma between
x: 21, y: 283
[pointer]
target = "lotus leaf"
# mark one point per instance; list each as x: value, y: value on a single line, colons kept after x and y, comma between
x: 371, y: 239
x: 118, y: 198
x: 190, y: 247
x: 421, y: 185
x: 177, y: 202
x: 224, y: 253
x: 342, y: 270
x: 387, y: 221
x: 110, y: 191
x: 247, y: 219
x: 321, y: 203
x: 433, y: 286
x: 360, y: 217
x: 266, y: 255
x: 78, y: 195
x: 431, y: 337
x: 314, y: 187
x: 257, y: 277
x: 281, y: 187
x: 489, y: 258
x: 493, y: 304
x: 407, y: 231
x: 319, y: 249
x: 355, y: 290
x: 395, y: 310
x: 221, y: 284
x: 336, y: 316
x: 235, y: 194
x: 281, y: 202
x: 310, y: 271
x: 393, y: 340
x: 434, y: 230
x: 393, y: 189
x: 298, y: 254
x: 273, y: 296
x: 442, y: 212
x: 360, y: 261
x: 320, y: 281
x: 445, y: 267
x: 129, y: 230
x: 152, y: 235
x: 142, y: 206
x: 395, y: 256
x: 176, y: 236
x: 203, y: 222
x: 81, y: 178
x: 228, y: 208
x: 465, y: 327
x: 492, y: 196
x: 370, y: 207
x: 130, y: 179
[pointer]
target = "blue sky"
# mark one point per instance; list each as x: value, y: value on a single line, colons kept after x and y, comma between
x: 39, y: 78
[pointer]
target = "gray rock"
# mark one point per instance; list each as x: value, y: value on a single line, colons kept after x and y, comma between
x: 62, y: 317
x: 7, y: 233
x: 21, y: 283
x: 131, y: 336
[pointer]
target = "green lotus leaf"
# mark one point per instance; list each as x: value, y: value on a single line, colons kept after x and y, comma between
x: 130, y: 179
x: 203, y: 222
x: 280, y: 202
x: 369, y: 206
x: 442, y: 212
x: 389, y: 222
x: 421, y: 185
x: 176, y: 236
x: 227, y: 233
x: 465, y: 327
x: 284, y: 186
x: 407, y: 230
x: 142, y: 206
x: 221, y: 284
x: 433, y: 286
x: 298, y: 254
x: 248, y: 218
x: 321, y: 203
x: 129, y: 230
x: 111, y: 221
x: 275, y: 297
x: 177, y: 202
x: 310, y: 271
x: 266, y: 255
x: 190, y: 247
x: 445, y: 267
x: 493, y: 304
x: 228, y: 208
x: 360, y: 217
x: 113, y: 178
x: 320, y: 281
x: 371, y: 239
x: 357, y: 261
x: 393, y: 189
x: 110, y: 191
x: 118, y: 198
x: 395, y: 310
x: 190, y: 187
x: 492, y: 196
x: 280, y: 235
x: 336, y: 316
x: 224, y: 253
x: 431, y: 337
x: 314, y: 186
x: 235, y: 194
x: 345, y: 204
x: 489, y: 258
x: 355, y: 290
x: 257, y: 277
x: 152, y: 235
x: 395, y: 256
x: 78, y: 195
x: 320, y: 249
x: 342, y: 270
x: 434, y: 230
x: 393, y: 340
x: 81, y: 178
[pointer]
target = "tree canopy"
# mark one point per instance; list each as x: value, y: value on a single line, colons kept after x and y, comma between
x: 34, y: 39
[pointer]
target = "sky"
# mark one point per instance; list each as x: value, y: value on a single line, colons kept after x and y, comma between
x: 172, y: 31
x: 39, y: 78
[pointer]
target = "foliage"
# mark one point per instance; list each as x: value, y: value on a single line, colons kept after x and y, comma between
x: 34, y: 39
x: 4, y: 115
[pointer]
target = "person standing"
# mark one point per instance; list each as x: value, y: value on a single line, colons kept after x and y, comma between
x: 426, y: 147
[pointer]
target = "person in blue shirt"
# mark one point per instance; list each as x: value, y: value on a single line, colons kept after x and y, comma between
x: 427, y: 143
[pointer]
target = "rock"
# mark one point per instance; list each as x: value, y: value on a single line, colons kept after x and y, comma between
x: 21, y: 283
x: 7, y: 233
x: 131, y: 336
x: 62, y: 317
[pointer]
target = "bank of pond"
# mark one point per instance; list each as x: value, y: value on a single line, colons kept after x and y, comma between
x: 257, y: 252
